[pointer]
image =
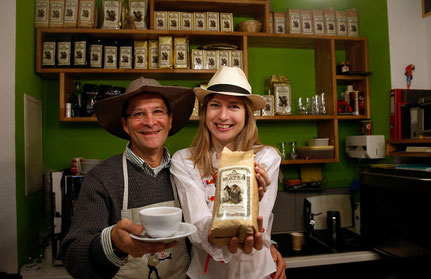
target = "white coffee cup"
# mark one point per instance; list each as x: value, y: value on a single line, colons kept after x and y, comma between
x: 160, y: 221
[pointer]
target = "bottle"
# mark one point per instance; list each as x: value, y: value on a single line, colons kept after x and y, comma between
x: 75, y: 100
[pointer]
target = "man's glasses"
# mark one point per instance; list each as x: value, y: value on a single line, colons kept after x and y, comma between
x: 140, y: 115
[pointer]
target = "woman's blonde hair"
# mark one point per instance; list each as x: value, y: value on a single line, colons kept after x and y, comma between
x: 201, y: 153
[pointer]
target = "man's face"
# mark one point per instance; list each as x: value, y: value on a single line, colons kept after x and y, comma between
x: 148, y: 124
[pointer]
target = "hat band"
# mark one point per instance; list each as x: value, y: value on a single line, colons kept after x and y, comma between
x: 228, y: 88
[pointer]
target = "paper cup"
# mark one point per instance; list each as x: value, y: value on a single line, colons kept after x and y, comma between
x: 297, y: 239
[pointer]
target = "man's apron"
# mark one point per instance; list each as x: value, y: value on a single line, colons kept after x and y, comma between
x: 171, y: 263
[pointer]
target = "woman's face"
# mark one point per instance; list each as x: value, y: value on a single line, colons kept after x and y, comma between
x: 225, y: 119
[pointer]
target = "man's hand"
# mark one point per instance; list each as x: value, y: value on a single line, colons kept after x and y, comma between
x: 252, y: 241
x: 262, y: 179
x: 281, y: 264
x: 120, y: 237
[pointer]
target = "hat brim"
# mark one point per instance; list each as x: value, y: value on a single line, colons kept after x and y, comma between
x: 257, y: 101
x: 179, y: 99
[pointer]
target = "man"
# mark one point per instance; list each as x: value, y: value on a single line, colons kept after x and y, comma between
x: 98, y: 244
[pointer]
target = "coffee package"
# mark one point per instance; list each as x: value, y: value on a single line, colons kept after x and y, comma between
x: 352, y: 23
x: 318, y: 22
x: 341, y: 23
x: 87, y: 14
x: 236, y: 204
x: 293, y: 21
x: 165, y: 52
x: 41, y: 13
x: 70, y: 13
x: 56, y: 11
x: 307, y: 22
x: 329, y: 15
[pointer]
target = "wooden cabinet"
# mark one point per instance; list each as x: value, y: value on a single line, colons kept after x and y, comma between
x: 326, y: 49
x: 398, y: 147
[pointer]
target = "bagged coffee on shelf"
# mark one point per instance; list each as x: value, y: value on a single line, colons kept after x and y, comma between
x: 165, y: 52
x: 181, y: 53
x: 352, y: 23
x: 153, y: 54
x: 141, y: 54
x: 173, y: 20
x: 329, y: 15
x: 111, y: 14
x: 87, y: 14
x: 56, y: 10
x: 41, y: 13
x: 236, y: 204
x: 70, y: 13
x: 138, y: 9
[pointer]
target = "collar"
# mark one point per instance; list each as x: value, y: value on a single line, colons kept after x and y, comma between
x: 138, y: 161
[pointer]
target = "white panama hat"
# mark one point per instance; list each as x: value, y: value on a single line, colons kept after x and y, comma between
x: 230, y: 81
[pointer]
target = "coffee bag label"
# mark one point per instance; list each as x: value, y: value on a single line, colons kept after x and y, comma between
x: 63, y: 53
x: 96, y: 56
x: 125, y: 59
x: 111, y: 57
x: 48, y: 57
x: 234, y: 194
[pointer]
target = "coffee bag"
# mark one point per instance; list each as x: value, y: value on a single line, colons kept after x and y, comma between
x: 236, y: 204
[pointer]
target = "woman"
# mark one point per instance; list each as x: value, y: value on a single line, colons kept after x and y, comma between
x: 226, y: 120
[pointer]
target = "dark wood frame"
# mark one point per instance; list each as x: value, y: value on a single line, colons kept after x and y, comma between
x: 426, y: 8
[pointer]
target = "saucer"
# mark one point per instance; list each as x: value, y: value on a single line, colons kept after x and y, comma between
x: 183, y: 231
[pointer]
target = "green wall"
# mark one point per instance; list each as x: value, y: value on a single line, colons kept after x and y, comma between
x: 63, y: 141
x: 30, y: 208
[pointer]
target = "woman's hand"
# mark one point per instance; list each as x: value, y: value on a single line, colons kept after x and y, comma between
x: 262, y: 179
x: 281, y: 264
x: 252, y: 241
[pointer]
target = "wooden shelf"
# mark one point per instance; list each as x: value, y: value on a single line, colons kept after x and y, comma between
x: 355, y: 50
x: 397, y: 147
x: 311, y: 161
x: 129, y: 74
x: 352, y: 117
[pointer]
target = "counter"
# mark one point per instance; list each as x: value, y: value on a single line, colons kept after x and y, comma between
x: 332, y: 258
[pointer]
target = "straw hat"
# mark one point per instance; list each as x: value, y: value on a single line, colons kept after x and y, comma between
x: 179, y: 99
x: 230, y: 81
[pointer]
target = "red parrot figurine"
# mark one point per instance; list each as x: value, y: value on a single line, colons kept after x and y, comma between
x: 409, y: 74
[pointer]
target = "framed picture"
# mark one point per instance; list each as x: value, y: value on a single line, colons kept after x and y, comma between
x: 426, y: 8
x: 268, y: 110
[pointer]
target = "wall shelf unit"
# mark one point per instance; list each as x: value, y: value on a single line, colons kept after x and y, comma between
x: 354, y: 49
x: 397, y: 147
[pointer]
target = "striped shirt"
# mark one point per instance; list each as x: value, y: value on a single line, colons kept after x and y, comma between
x: 138, y: 161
